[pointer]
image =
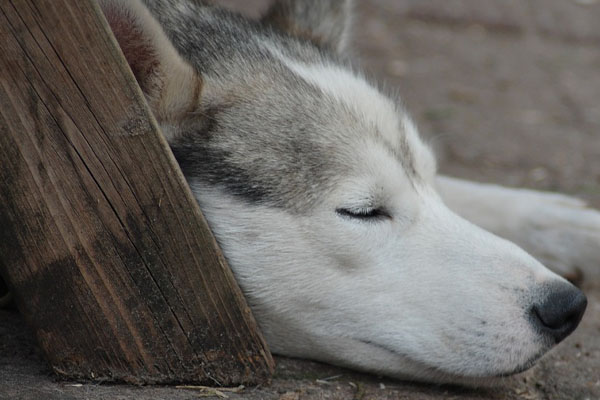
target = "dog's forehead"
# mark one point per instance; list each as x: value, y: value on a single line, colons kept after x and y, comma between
x: 350, y: 90
x: 287, y: 132
x: 379, y: 118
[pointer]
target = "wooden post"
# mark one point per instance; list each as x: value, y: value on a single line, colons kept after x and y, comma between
x: 101, y: 240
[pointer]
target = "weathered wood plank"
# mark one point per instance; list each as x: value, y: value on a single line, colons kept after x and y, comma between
x: 101, y: 239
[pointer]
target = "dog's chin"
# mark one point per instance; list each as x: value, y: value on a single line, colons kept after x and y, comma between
x: 434, y: 374
x: 524, y: 366
x: 486, y: 379
x: 481, y: 379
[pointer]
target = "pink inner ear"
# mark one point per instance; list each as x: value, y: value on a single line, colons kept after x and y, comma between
x: 136, y: 46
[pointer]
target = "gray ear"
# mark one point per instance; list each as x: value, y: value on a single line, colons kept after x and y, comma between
x: 170, y: 84
x: 324, y: 22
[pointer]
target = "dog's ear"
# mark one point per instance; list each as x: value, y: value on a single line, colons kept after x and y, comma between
x: 170, y: 84
x: 324, y: 22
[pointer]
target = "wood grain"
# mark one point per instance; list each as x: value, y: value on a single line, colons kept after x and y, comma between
x: 101, y: 240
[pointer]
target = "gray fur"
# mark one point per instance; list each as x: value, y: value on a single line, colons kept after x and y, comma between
x: 267, y: 135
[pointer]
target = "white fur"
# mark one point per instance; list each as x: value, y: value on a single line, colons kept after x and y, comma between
x: 424, y: 295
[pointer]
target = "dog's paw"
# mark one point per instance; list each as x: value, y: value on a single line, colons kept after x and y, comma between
x: 562, y: 232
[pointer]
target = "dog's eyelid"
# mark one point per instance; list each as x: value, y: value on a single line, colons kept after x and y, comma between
x: 364, y: 213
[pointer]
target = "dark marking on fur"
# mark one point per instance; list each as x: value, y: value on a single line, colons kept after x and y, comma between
x: 196, y: 99
x: 401, y: 152
x: 406, y: 157
x: 216, y: 170
x: 198, y: 159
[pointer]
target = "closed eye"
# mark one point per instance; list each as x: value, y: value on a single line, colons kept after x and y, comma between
x: 367, y: 213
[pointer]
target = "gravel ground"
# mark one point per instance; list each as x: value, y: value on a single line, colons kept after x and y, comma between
x: 508, y: 93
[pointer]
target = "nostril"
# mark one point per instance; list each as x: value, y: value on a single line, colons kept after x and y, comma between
x: 560, y: 312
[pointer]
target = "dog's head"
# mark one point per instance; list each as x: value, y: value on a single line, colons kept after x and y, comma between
x: 323, y: 198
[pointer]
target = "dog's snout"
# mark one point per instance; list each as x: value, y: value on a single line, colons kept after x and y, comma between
x: 559, y: 313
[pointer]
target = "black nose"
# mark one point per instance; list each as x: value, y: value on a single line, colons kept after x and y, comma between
x: 560, y: 312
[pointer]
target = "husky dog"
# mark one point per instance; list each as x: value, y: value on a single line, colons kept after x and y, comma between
x: 326, y: 204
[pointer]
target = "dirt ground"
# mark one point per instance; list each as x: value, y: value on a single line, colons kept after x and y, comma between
x: 508, y: 91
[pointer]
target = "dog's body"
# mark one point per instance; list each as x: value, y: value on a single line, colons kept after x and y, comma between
x: 326, y: 204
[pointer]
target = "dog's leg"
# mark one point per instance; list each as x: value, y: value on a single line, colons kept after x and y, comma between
x: 559, y: 230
